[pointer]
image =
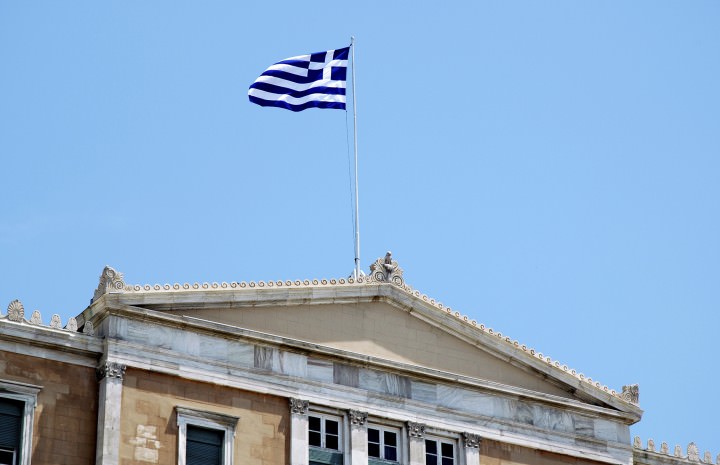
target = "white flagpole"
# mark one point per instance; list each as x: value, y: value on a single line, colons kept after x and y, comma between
x: 357, y: 202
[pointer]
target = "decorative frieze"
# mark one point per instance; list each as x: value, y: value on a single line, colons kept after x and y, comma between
x: 298, y: 406
x: 357, y: 418
x: 416, y: 430
x: 110, y: 370
x: 692, y: 456
x: 471, y: 440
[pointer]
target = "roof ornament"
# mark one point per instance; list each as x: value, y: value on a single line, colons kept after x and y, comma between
x: 110, y: 280
x: 16, y: 311
x: 387, y: 270
x: 631, y: 393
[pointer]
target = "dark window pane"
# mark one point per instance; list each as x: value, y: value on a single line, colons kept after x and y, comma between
x: 331, y: 427
x: 447, y: 450
x: 447, y: 461
x: 373, y: 435
x: 390, y: 438
x: 390, y: 453
x: 204, y: 446
x: 430, y: 446
x: 430, y: 459
x: 314, y: 439
x: 373, y: 449
x: 314, y: 424
x: 331, y: 442
x: 7, y: 457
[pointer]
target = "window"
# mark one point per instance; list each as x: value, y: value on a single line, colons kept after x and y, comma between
x: 205, y: 438
x: 324, y: 432
x: 325, y: 439
x: 439, y: 452
x: 382, y: 443
x: 17, y: 407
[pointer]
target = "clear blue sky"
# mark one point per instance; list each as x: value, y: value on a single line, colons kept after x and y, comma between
x: 550, y: 169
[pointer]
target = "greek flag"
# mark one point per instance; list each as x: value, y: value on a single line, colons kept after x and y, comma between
x: 306, y: 81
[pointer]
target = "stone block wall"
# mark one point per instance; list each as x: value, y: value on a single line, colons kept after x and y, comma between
x: 149, y: 423
x: 497, y: 453
x: 65, y: 423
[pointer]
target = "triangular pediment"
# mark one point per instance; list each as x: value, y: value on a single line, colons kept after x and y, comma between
x: 375, y: 321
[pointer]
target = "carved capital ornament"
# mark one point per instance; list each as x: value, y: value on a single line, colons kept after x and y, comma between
x: 471, y: 440
x: 111, y: 370
x: 416, y: 430
x: 298, y: 406
x: 357, y: 418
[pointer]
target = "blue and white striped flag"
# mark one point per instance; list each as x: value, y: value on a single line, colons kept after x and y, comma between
x: 307, y: 81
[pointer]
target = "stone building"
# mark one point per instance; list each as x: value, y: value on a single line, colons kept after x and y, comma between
x: 321, y: 372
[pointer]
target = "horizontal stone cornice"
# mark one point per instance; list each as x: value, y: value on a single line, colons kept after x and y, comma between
x: 55, y: 344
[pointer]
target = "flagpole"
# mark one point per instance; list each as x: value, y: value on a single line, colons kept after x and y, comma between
x: 357, y: 202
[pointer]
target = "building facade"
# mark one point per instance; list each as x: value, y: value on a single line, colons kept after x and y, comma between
x: 363, y: 371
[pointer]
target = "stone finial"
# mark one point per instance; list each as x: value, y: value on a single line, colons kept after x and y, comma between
x: 299, y: 406
x: 16, y: 311
x: 708, y: 457
x: 637, y: 444
x: 55, y: 322
x: 72, y: 325
x: 717, y: 459
x: 110, y: 370
x: 471, y: 440
x: 110, y: 280
x: 36, y: 318
x: 387, y: 270
x: 693, y: 452
x: 89, y: 328
x: 416, y: 430
x: 631, y: 393
x: 651, y: 445
x: 678, y: 451
x: 664, y: 448
x: 357, y: 418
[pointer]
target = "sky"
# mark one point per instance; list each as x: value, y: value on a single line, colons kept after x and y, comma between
x: 548, y: 168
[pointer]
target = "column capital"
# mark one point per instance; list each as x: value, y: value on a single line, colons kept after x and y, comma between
x: 471, y: 440
x: 357, y: 418
x: 298, y: 406
x: 110, y: 370
x: 416, y: 430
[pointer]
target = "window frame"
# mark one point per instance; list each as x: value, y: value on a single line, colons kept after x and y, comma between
x: 439, y: 440
x: 211, y: 420
x: 27, y: 394
x: 341, y: 430
x: 399, y: 442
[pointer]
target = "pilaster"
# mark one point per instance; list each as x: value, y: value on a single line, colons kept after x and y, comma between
x: 110, y: 376
x: 299, y: 454
x: 358, y: 437
x: 471, y: 442
x: 416, y: 441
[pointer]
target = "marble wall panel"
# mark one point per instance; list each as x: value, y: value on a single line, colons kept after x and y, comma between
x: 320, y: 370
x: 464, y: 399
x: 423, y: 392
x: 346, y: 375
x: 583, y: 426
x: 611, y: 431
x: 293, y: 364
x: 396, y: 385
x: 552, y: 419
x: 384, y: 383
x: 264, y: 358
